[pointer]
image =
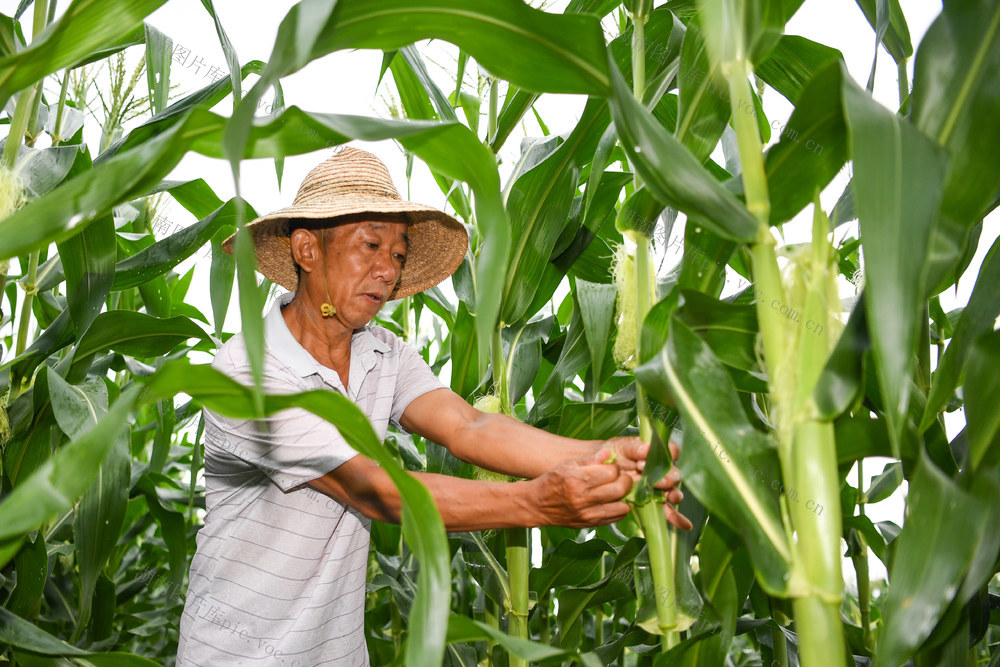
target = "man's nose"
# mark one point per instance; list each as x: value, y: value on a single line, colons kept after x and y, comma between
x: 385, y: 268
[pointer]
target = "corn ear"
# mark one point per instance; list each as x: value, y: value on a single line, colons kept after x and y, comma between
x: 491, y: 404
x: 11, y: 193
x: 4, y: 422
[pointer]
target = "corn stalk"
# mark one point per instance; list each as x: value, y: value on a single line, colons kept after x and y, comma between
x: 659, y: 539
x: 794, y: 360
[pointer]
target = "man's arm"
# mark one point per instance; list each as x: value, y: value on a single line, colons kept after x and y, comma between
x: 502, y: 443
x: 491, y: 441
x: 581, y: 493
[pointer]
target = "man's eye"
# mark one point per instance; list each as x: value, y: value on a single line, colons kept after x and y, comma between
x: 401, y: 258
x: 370, y: 244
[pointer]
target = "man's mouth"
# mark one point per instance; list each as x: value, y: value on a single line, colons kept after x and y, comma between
x: 374, y: 297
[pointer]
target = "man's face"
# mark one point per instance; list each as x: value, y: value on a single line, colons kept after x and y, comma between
x: 364, y: 261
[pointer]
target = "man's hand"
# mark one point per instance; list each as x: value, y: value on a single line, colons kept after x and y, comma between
x: 630, y: 455
x: 583, y: 492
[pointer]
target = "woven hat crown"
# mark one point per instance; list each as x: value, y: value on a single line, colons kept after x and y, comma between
x: 350, y: 172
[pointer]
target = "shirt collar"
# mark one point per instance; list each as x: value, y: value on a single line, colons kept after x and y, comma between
x: 283, y: 344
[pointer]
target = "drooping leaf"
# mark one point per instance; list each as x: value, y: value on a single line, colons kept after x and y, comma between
x: 895, y: 34
x: 672, y: 173
x: 793, y: 63
x: 167, y: 253
x: 64, y: 211
x: 77, y: 407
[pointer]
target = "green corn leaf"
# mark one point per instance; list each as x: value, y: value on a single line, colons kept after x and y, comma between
x: 597, y: 306
x: 136, y: 334
x: 842, y: 383
x: 537, y: 205
x: 598, y: 420
x: 572, y: 358
x: 982, y: 384
x: 793, y: 63
x: 897, y: 190
x: 729, y: 465
x: 703, y: 109
x: 532, y: 49
x: 69, y: 208
x: 571, y: 563
x: 16, y: 631
x: 977, y: 317
x: 956, y: 99
x: 85, y: 26
x: 57, y: 483
x: 893, y: 32
x: 77, y: 407
x: 159, y: 55
x: 615, y: 585
x: 462, y: 629
x: 222, y: 272
x: 88, y: 261
x: 741, y: 30
x: 925, y: 579
x: 99, y: 519
x: 812, y: 148
x: 522, y: 350
x: 885, y: 484
x: 32, y: 567
x: 167, y: 253
x: 672, y: 173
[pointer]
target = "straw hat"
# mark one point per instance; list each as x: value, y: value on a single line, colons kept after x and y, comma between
x: 355, y: 181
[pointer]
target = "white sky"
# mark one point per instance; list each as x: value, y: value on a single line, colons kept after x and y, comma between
x: 344, y: 83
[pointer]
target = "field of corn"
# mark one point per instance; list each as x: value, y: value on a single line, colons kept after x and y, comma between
x: 833, y: 350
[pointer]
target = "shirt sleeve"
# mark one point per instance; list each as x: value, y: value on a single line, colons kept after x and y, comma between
x: 415, y: 378
x: 292, y: 447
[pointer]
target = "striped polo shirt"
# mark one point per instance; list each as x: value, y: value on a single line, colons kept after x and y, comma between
x: 279, y: 574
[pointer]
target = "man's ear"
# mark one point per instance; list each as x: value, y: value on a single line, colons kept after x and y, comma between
x: 305, y: 248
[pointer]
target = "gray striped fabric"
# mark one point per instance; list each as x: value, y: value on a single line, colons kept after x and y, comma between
x: 280, y: 569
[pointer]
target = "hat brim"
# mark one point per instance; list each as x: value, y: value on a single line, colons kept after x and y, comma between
x: 438, y: 242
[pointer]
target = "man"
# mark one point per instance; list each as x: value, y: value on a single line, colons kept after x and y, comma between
x: 280, y: 567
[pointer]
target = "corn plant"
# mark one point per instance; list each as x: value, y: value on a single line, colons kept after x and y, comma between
x: 837, y: 350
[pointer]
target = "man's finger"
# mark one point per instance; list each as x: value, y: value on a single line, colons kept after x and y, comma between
x: 609, y: 513
x: 612, y: 490
x: 670, y: 480
x: 675, y: 451
x: 632, y: 448
x: 676, y: 518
